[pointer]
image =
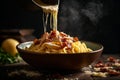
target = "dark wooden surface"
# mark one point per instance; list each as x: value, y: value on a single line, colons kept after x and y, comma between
x: 22, y: 71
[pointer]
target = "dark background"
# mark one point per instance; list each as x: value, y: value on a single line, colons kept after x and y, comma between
x: 93, y: 20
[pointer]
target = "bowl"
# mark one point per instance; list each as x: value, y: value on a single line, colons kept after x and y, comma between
x: 58, y: 61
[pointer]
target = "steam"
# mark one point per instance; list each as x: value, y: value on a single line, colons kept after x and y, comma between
x: 69, y: 15
x: 79, y: 18
x: 93, y: 11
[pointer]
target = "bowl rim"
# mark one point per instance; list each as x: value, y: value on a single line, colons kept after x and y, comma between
x: 32, y: 52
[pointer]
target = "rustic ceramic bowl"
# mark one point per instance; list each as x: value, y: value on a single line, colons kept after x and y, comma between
x: 60, y: 61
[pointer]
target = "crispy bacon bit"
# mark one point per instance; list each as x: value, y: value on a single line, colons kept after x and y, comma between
x: 111, y: 59
x: 108, y: 64
x: 75, y: 39
x: 36, y: 41
x: 63, y: 34
x: 103, y: 70
x: 52, y: 34
x: 64, y: 44
x: 113, y: 73
x: 63, y: 39
x: 99, y: 64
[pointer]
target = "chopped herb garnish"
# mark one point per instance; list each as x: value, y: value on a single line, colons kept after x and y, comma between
x: 6, y: 58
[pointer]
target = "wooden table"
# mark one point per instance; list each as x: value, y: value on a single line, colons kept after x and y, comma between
x: 22, y: 71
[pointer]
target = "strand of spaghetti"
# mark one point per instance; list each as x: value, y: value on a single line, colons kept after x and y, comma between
x: 51, y: 20
x: 44, y: 22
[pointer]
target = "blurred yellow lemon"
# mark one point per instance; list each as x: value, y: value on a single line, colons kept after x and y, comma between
x: 9, y: 45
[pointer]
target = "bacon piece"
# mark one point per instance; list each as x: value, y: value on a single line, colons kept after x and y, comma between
x: 111, y: 59
x: 52, y: 34
x: 63, y: 39
x: 36, y: 41
x: 113, y: 73
x: 63, y: 34
x: 64, y: 44
x: 75, y: 39
x: 103, y: 69
x: 99, y: 64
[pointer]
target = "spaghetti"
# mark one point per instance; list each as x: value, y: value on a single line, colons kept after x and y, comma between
x: 55, y: 41
x: 58, y: 42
